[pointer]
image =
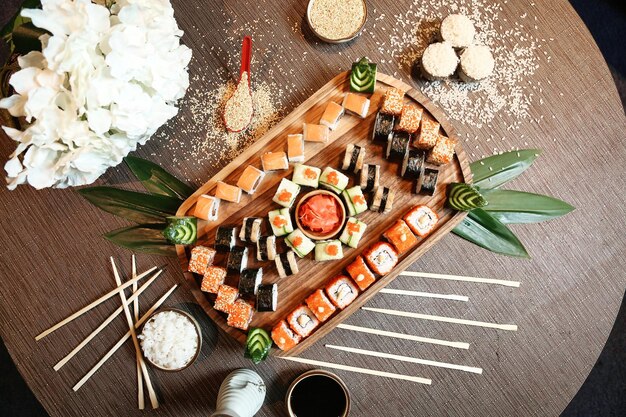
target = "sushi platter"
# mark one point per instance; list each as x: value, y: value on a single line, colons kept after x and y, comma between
x: 266, y: 259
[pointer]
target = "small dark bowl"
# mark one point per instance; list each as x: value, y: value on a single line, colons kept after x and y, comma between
x: 316, y: 372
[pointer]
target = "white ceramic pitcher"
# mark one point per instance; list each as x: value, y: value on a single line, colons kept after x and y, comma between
x: 240, y: 395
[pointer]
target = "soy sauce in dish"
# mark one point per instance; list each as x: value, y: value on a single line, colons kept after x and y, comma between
x: 318, y: 396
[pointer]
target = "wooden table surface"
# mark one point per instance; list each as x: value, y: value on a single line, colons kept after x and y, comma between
x: 54, y: 261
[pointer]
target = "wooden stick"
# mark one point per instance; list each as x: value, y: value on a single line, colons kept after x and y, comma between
x: 407, y: 359
x: 359, y: 370
x: 105, y: 323
x: 461, y: 278
x: 458, y: 345
x: 123, y: 339
x: 131, y: 326
x: 93, y: 304
x: 140, y: 395
x: 425, y: 294
x: 511, y: 327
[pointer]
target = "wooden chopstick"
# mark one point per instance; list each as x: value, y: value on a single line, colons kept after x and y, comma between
x: 93, y: 304
x: 106, y: 322
x: 123, y: 339
x: 140, y: 395
x: 461, y: 278
x: 131, y: 326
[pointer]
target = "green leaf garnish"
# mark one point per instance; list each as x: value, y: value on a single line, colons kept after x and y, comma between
x: 496, y: 170
x: 146, y: 238
x: 157, y: 180
x: 512, y: 207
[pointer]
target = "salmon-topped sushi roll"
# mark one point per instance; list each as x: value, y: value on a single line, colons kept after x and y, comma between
x: 227, y: 192
x: 240, y: 314
x: 341, y: 290
x: 226, y: 297
x: 393, y: 102
x: 428, y: 134
x: 320, y: 305
x: 295, y: 148
x: 207, y: 207
x: 360, y: 273
x: 302, y: 321
x: 250, y: 179
x: 332, y: 115
x: 381, y: 257
x: 274, y: 161
x: 284, y: 337
x: 421, y: 220
x: 400, y: 236
x: 356, y: 104
x: 315, y: 133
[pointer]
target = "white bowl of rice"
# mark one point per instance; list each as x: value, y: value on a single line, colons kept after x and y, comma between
x: 170, y: 340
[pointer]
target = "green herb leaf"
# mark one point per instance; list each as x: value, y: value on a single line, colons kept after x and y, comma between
x: 484, y: 230
x: 146, y: 238
x: 511, y: 207
x: 496, y: 170
x: 156, y: 180
x: 131, y: 205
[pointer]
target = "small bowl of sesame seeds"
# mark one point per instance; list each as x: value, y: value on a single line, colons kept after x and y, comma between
x: 336, y: 21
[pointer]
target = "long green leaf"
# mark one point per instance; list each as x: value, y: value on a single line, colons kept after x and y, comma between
x: 156, y: 180
x: 496, y: 170
x: 136, y: 207
x: 146, y: 238
x: 481, y: 228
x: 512, y: 207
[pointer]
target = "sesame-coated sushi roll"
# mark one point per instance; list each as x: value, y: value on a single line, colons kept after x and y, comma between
x: 224, y: 238
x: 207, y: 207
x: 353, y: 158
x: 352, y: 232
x: 212, y: 279
x: 286, y: 193
x: 477, y: 63
x: 355, y: 200
x: 370, y: 177
x: 383, y: 127
x: 250, y: 179
x: 306, y: 175
x: 201, y: 258
x: 284, y: 337
x: 439, y: 61
x: 458, y: 30
x: 421, y: 220
x: 240, y: 314
x: 227, y: 192
x: 315, y: 133
x: 413, y: 164
x: 302, y: 321
x: 295, y: 148
x: 300, y: 243
x: 398, y: 145
x: 328, y: 250
x: 237, y: 259
x: 280, y: 221
x: 400, y: 236
x: 427, y: 183
x: 286, y: 264
x: 226, y: 296
x: 341, y: 290
x: 410, y: 118
x: 250, y: 280
x: 360, y: 273
x: 381, y: 257
x: 332, y: 115
x: 333, y: 180
x: 267, y: 297
x: 443, y: 152
x: 383, y: 200
x: 274, y: 161
x: 356, y: 104
x: 428, y: 134
x: 320, y: 305
x: 393, y: 102
x: 250, y: 229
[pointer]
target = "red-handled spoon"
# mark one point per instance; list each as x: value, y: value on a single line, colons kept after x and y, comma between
x: 239, y: 109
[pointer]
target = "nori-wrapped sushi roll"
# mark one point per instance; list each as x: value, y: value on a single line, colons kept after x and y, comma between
x: 250, y: 280
x: 250, y: 229
x: 427, y: 183
x: 267, y: 297
x: 224, y: 238
x: 353, y: 158
x: 383, y: 127
x: 286, y: 264
x: 237, y: 259
x: 266, y: 248
x: 398, y: 145
x: 383, y: 200
x: 413, y: 165
x: 370, y: 177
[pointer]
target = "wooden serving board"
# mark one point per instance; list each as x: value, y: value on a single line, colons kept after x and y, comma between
x: 293, y: 290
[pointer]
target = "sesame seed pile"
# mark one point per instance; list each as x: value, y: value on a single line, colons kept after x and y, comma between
x: 337, y: 19
x: 239, y: 107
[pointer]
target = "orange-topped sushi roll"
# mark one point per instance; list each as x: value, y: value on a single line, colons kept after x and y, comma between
x: 393, y: 102
x: 356, y: 104
x: 302, y: 321
x: 240, y: 314
x: 295, y: 148
x: 428, y: 134
x: 341, y: 291
x: 227, y: 192
x: 214, y: 276
x: 207, y: 207
x: 250, y: 179
x: 226, y: 297
x: 421, y: 219
x: 400, y: 236
x: 320, y: 305
x: 332, y: 115
x: 284, y: 337
x: 274, y: 161
x: 443, y: 152
x: 201, y: 258
x: 360, y: 273
x: 410, y: 118
x: 315, y: 133
x: 381, y: 257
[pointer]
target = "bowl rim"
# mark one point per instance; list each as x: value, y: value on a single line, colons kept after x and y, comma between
x: 307, y: 232
x: 198, y: 333
x: 314, y: 372
x: 340, y: 40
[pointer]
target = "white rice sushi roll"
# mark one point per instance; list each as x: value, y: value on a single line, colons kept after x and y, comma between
x: 306, y: 175
x: 286, y: 264
x: 250, y: 229
x: 286, y: 193
x: 266, y: 248
x: 300, y: 243
x: 370, y: 177
x: 302, y: 321
x: 328, y: 250
x: 353, y: 158
x: 333, y: 180
x: 421, y: 220
x: 355, y: 200
x: 280, y: 221
x: 332, y: 115
x: 477, y: 63
x: 352, y: 232
x: 341, y: 291
x: 383, y: 200
x: 439, y: 61
x: 458, y: 30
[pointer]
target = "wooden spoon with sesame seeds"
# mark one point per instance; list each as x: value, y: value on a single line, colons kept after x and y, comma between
x: 239, y: 108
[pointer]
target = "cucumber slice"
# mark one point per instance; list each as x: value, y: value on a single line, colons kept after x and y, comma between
x: 348, y: 198
x: 363, y: 76
x: 258, y: 345
x: 181, y: 230
x: 464, y: 197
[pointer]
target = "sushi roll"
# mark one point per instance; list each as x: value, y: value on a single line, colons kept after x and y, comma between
x: 393, y: 102
x: 328, y: 250
x: 207, y: 207
x: 443, y: 152
x: 477, y: 63
x: 286, y: 264
x: 201, y: 258
x: 286, y: 193
x: 302, y: 321
x: 370, y: 177
x: 398, y: 145
x: 266, y: 248
x: 383, y: 200
x: 410, y: 118
x: 250, y: 179
x: 360, y: 273
x: 213, y: 278
x: 295, y: 148
x: 250, y: 229
x: 226, y: 296
x: 458, y: 30
x: 381, y: 257
x: 240, y: 314
x: 315, y: 133
x: 439, y: 61
x: 267, y: 297
x: 227, y: 192
x: 421, y: 220
x: 353, y: 158
x: 352, y: 232
x: 250, y: 280
x: 280, y: 221
x: 320, y: 305
x: 427, y: 183
x: 383, y: 127
x: 224, y: 238
x: 355, y: 200
x: 306, y: 175
x: 341, y: 290
x: 300, y: 244
x: 274, y: 161
x: 333, y: 180
x: 356, y: 104
x: 413, y: 165
x: 237, y: 259
x: 428, y: 134
x: 284, y: 337
x: 400, y: 236
x: 332, y: 115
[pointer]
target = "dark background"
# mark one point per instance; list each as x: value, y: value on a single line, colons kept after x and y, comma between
x: 604, y: 392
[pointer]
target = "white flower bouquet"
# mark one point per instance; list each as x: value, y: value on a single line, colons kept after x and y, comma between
x: 106, y: 78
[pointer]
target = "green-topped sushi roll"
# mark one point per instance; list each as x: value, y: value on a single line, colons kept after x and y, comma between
x: 355, y: 200
x: 334, y: 180
x: 328, y: 250
x: 280, y: 220
x: 306, y: 175
x: 352, y: 232
x: 300, y: 244
x: 286, y: 193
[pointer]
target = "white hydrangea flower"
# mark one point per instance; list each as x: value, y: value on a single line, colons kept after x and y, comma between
x: 103, y: 83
